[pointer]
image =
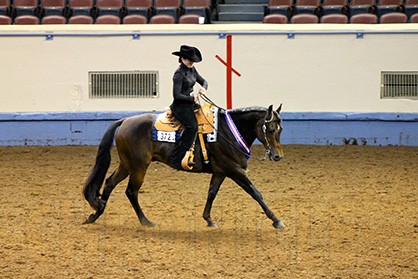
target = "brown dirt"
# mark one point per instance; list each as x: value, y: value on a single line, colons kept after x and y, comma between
x: 350, y: 211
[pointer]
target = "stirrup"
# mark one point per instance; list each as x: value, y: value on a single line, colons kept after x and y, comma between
x: 187, y: 162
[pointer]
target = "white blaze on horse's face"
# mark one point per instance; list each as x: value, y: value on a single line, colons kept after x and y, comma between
x: 272, y: 130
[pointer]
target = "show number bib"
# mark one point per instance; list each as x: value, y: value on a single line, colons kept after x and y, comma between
x: 166, y: 136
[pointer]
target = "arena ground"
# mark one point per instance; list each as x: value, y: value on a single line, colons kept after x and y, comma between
x: 350, y: 211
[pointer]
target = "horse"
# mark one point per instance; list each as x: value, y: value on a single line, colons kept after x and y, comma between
x: 227, y: 158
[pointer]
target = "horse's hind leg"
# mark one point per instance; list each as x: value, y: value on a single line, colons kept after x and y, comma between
x: 135, y: 182
x: 215, y: 183
x: 117, y: 176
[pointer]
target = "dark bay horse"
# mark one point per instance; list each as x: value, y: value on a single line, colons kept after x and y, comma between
x: 137, y: 150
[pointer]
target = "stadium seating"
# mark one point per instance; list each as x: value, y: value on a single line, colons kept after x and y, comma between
x: 334, y: 18
x: 135, y: 19
x: 190, y: 11
x: 275, y: 18
x: 304, y: 19
x: 365, y: 18
x: 393, y: 18
x: 162, y: 19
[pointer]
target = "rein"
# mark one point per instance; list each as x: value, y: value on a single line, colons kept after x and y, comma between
x: 264, y: 129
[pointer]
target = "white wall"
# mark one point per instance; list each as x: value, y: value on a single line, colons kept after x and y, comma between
x: 310, y: 73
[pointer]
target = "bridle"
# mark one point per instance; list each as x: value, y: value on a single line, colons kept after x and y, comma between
x: 264, y: 129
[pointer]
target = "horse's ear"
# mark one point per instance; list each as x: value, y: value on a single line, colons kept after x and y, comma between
x: 269, y: 112
x: 279, y: 109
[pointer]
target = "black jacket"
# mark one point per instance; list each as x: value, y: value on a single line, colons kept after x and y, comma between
x: 183, y: 81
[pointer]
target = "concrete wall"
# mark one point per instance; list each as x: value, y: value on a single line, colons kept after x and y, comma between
x: 321, y: 69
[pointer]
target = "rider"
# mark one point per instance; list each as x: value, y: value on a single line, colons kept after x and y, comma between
x: 184, y: 102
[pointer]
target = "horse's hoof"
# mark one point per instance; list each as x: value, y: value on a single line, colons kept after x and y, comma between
x: 278, y: 225
x: 91, y: 219
x: 212, y: 225
x: 150, y: 224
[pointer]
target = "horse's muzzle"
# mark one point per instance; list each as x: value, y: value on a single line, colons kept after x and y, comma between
x: 275, y: 157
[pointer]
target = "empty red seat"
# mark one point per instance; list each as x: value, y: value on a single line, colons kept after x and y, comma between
x: 25, y: 7
x: 388, y: 6
x: 275, y: 18
x: 334, y: 7
x: 334, y: 18
x: 414, y: 18
x: 283, y: 7
x: 168, y: 7
x: 135, y: 19
x: 139, y: 7
x: 411, y: 8
x: 108, y: 19
x: 53, y: 7
x: 189, y: 19
x: 53, y: 19
x: 109, y: 7
x: 80, y: 19
x: 162, y: 19
x: 307, y: 7
x: 364, y: 18
x: 362, y: 6
x: 198, y: 7
x: 5, y: 20
x: 304, y: 19
x: 81, y: 7
x: 5, y: 7
x: 26, y: 20
x: 393, y: 18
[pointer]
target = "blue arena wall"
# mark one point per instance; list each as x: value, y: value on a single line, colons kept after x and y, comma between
x: 87, y: 128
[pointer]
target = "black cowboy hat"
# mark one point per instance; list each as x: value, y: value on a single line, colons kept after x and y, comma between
x: 189, y: 52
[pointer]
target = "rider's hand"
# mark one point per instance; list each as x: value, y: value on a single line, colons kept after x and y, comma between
x: 202, y: 91
x: 196, y: 99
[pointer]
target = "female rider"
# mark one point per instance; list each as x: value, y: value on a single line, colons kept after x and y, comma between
x: 184, y: 103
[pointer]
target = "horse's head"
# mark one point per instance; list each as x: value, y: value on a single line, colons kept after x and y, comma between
x: 269, y: 134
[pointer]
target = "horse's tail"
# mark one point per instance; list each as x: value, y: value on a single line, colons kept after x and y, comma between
x: 95, y: 180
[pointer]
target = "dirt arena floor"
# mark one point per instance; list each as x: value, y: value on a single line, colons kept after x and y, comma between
x: 350, y: 212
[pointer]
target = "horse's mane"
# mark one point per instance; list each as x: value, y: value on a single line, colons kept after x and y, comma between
x: 248, y: 109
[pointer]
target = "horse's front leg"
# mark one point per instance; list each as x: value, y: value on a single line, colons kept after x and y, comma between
x: 241, y: 178
x: 215, y: 183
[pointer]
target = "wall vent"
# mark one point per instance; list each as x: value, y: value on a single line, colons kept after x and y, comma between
x: 123, y: 84
x: 399, y: 85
